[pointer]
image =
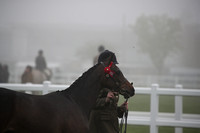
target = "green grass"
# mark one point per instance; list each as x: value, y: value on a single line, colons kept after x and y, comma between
x: 146, y: 129
x: 191, y: 105
x: 166, y: 129
x: 139, y: 102
x: 191, y: 130
x: 137, y: 129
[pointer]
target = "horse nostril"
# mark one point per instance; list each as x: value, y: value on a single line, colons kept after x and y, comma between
x: 131, y: 83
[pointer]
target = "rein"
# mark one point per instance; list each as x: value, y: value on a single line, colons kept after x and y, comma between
x: 125, y: 116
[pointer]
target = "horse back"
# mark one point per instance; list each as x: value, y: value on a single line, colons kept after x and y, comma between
x: 7, y: 98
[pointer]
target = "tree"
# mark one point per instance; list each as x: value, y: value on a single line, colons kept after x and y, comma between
x: 157, y: 36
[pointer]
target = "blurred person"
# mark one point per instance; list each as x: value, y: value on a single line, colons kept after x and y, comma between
x: 40, y: 61
x: 5, y: 73
x: 1, y: 73
x: 27, y: 76
x: 104, y: 115
x: 100, y: 50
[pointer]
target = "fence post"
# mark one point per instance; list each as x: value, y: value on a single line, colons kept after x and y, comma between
x: 46, y: 87
x: 178, y: 109
x: 28, y: 91
x: 154, y: 109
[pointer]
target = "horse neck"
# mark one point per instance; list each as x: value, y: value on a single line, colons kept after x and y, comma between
x: 85, y: 90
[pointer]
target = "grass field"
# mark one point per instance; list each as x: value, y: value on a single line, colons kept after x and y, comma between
x: 191, y: 105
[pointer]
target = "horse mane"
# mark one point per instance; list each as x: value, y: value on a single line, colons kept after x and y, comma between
x: 77, y: 83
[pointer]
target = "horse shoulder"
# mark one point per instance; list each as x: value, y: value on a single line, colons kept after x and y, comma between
x: 73, y: 119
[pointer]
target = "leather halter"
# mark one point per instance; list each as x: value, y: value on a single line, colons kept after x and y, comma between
x: 109, y: 73
x: 107, y: 70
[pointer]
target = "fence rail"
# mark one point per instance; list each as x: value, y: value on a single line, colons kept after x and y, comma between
x: 154, y: 118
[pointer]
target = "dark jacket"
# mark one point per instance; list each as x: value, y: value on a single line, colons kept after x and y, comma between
x: 40, y: 63
x: 104, y: 116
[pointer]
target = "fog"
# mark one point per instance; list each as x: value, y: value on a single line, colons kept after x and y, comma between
x: 70, y: 31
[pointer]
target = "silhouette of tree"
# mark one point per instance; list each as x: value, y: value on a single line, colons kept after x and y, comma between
x: 157, y: 36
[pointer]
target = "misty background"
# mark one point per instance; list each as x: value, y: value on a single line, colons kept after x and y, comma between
x: 70, y: 32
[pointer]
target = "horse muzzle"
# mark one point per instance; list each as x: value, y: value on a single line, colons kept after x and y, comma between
x: 127, y: 93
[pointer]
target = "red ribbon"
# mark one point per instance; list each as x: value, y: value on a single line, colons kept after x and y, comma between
x: 107, y: 70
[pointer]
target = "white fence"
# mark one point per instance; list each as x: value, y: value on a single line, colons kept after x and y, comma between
x: 154, y: 118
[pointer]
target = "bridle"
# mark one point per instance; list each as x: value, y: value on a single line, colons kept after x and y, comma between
x: 109, y: 74
x: 107, y: 70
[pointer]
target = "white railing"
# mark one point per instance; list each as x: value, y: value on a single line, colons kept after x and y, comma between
x: 154, y: 118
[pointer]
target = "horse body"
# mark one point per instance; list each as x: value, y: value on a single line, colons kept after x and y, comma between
x: 50, y: 113
x: 64, y: 111
x: 39, y: 77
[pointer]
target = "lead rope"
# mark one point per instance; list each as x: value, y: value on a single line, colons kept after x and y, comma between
x: 125, y: 116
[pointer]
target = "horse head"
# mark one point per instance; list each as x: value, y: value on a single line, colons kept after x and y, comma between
x: 114, y: 79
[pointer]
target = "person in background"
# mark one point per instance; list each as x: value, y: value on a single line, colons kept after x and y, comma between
x: 1, y: 73
x: 6, y: 73
x: 27, y: 76
x: 100, y: 50
x: 40, y: 61
x: 104, y: 116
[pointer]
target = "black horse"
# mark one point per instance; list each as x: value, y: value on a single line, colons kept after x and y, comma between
x: 64, y: 111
